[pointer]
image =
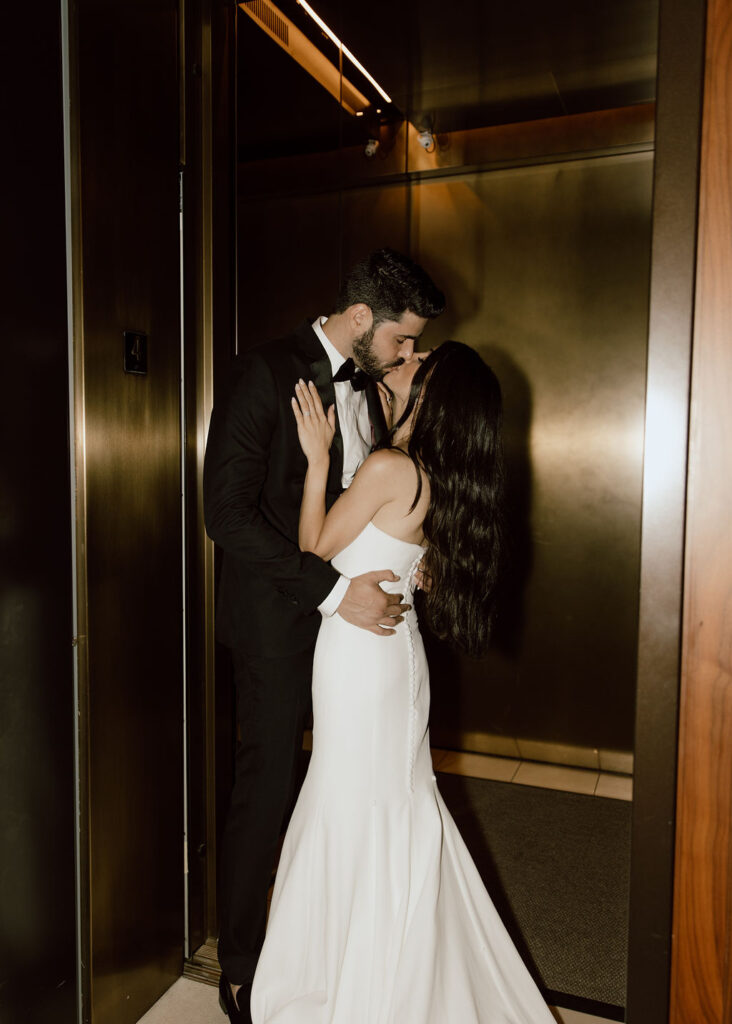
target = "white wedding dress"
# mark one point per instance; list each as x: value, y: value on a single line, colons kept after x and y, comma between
x: 379, y: 915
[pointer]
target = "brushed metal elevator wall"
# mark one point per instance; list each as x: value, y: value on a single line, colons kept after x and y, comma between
x: 128, y: 170
x: 37, y: 872
x: 546, y: 272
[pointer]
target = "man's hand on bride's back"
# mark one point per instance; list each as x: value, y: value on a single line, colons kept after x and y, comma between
x: 315, y: 428
x: 368, y: 606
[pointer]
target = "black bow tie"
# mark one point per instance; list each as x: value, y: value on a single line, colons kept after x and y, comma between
x: 349, y: 372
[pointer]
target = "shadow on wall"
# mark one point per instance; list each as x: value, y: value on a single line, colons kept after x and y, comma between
x: 518, y: 557
x: 546, y: 270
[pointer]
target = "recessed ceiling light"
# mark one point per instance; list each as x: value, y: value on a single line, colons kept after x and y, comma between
x: 331, y: 35
x: 295, y: 43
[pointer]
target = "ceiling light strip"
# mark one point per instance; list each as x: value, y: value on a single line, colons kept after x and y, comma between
x: 331, y: 35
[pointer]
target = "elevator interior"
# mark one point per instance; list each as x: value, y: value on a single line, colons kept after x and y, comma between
x: 541, y: 162
x: 510, y: 151
x: 515, y: 162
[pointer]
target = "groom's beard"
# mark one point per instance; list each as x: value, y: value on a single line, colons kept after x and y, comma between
x: 366, y: 359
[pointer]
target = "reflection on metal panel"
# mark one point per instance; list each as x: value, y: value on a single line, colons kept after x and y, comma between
x: 128, y: 106
x: 547, y: 273
x: 281, y: 284
x: 372, y: 218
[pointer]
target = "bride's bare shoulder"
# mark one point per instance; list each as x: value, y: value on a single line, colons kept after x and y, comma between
x: 387, y: 464
x: 392, y: 471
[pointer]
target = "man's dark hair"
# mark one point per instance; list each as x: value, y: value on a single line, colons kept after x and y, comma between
x: 389, y: 283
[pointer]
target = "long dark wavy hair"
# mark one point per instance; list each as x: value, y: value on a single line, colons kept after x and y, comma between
x: 456, y: 441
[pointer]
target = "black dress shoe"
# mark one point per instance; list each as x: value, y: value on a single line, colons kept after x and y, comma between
x: 237, y: 1009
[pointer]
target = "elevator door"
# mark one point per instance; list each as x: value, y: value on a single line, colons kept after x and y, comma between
x: 125, y: 107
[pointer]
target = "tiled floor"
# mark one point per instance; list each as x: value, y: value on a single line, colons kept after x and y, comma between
x: 191, y: 1002
x: 186, y: 1002
x: 605, y: 781
x: 533, y: 773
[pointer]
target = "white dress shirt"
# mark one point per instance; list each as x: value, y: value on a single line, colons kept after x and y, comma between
x: 355, y: 427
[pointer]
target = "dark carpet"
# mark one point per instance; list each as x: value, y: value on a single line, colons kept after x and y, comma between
x: 557, y: 867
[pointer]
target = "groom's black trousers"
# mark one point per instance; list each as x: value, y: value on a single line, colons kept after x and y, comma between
x: 273, y: 697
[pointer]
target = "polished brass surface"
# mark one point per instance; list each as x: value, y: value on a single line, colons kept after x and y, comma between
x: 334, y: 230
x: 603, y: 132
x: 597, y: 133
x: 671, y: 313
x: 78, y: 460
x: 38, y: 962
x: 492, y: 64
x: 128, y: 525
x: 281, y: 282
x: 371, y: 218
x: 546, y: 270
x: 205, y: 34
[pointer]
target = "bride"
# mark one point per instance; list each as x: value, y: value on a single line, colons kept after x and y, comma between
x: 379, y: 915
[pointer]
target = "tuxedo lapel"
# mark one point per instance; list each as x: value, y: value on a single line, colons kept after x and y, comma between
x: 321, y: 374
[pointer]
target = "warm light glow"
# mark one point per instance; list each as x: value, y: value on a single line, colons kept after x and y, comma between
x: 331, y: 35
x: 296, y: 44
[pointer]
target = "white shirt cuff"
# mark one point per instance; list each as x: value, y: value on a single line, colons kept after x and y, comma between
x: 330, y: 605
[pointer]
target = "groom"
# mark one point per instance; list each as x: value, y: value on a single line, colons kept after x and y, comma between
x: 272, y: 595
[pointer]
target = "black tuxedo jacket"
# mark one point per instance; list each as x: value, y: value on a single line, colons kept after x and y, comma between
x: 253, y: 477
